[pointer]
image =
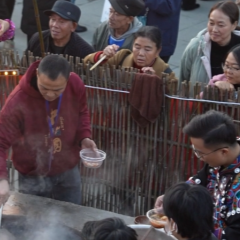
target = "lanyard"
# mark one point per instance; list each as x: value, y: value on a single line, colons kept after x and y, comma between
x: 52, y: 126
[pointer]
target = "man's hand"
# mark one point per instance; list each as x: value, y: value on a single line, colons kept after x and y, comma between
x: 110, y: 50
x: 4, y: 191
x: 159, y: 204
x: 88, y: 143
x: 4, y: 26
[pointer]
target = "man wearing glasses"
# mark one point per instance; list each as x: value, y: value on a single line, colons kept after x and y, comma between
x: 214, y: 141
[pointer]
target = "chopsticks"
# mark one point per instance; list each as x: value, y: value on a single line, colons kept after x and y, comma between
x: 98, y: 62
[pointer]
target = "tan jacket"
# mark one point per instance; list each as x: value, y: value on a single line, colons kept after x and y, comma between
x: 124, y: 58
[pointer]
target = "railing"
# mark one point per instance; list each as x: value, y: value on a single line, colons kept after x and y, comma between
x: 141, y: 162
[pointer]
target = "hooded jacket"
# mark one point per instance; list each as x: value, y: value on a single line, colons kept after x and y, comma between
x: 195, y: 62
x: 102, y: 33
x: 24, y: 126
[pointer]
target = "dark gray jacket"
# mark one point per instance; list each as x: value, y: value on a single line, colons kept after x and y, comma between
x: 102, y: 33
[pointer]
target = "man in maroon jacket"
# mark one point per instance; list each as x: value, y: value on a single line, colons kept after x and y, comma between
x: 45, y: 120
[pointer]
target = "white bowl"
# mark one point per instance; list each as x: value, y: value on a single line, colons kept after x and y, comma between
x: 92, y: 159
x: 155, y: 234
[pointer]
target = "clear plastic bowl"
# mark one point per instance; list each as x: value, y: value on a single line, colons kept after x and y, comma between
x: 155, y: 219
x: 92, y: 159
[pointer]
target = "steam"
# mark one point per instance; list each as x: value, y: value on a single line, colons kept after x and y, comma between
x: 51, y: 233
x: 47, y: 227
x: 6, y: 235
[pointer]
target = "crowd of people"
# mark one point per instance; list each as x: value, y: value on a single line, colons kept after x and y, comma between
x: 203, y: 59
x: 46, y: 142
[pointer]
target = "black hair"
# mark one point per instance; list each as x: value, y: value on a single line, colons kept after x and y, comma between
x: 191, y: 208
x: 228, y: 8
x: 108, y: 229
x: 213, y: 127
x: 88, y: 229
x: 151, y: 32
x: 236, y: 53
x: 53, y: 66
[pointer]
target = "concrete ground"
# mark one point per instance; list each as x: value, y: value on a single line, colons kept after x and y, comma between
x: 191, y: 22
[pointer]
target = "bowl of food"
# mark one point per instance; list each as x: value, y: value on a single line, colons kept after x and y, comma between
x: 92, y: 159
x: 156, y: 219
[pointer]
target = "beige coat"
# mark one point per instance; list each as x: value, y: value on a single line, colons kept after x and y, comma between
x: 124, y: 58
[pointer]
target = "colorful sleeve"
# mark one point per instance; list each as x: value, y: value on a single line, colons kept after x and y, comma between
x: 201, y: 177
x: 231, y: 230
x: 10, y: 32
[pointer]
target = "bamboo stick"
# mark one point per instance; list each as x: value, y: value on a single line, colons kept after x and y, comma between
x: 35, y: 6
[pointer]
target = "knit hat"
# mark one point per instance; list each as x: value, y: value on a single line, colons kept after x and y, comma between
x: 128, y: 7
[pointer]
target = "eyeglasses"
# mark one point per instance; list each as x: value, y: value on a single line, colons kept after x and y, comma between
x: 226, y: 67
x: 200, y: 155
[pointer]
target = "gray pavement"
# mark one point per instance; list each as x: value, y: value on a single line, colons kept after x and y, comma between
x: 191, y: 22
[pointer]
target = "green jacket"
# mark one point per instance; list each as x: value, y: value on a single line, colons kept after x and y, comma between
x: 195, y: 62
x: 101, y: 35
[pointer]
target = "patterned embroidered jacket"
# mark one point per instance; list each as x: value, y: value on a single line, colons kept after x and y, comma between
x: 224, y: 185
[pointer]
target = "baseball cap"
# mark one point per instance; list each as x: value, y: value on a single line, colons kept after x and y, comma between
x: 65, y: 10
x: 128, y: 7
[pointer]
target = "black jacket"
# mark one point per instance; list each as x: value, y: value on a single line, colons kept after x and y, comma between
x: 28, y: 23
x: 6, y: 8
x: 211, y: 237
x: 76, y: 47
